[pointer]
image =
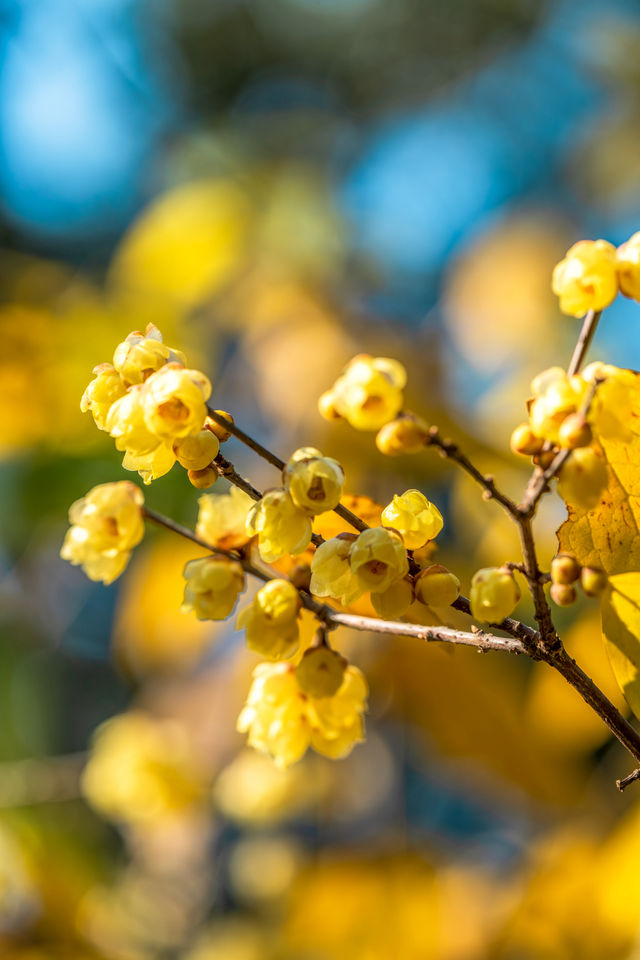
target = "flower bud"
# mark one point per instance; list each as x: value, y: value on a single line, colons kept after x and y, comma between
x: 393, y: 602
x: 565, y: 569
x: 408, y: 433
x: 222, y: 519
x: 494, y: 594
x: 525, y: 441
x: 174, y: 402
x: 217, y: 429
x: 378, y: 558
x: 331, y: 574
x: 416, y: 519
x: 593, y: 581
x: 314, y: 482
x: 102, y: 392
x: 574, y: 432
x: 327, y: 406
x: 196, y: 453
x: 583, y: 478
x: 320, y: 673
x: 546, y: 458
x: 586, y: 279
x: 300, y: 576
x: 212, y: 587
x: 203, y: 479
x: 436, y: 586
x: 563, y: 594
x: 280, y: 526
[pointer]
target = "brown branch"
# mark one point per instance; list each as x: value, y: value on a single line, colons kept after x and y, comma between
x: 627, y: 781
x: 351, y: 518
x: 447, y: 448
x: 583, y: 343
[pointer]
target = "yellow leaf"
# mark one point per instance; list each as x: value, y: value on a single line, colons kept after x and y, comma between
x: 609, y: 535
x: 621, y: 630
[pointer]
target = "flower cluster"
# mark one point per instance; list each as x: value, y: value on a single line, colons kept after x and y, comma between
x: 592, y: 272
x: 566, y: 572
x: 154, y: 408
x: 106, y: 525
x: 284, y: 720
x: 212, y: 587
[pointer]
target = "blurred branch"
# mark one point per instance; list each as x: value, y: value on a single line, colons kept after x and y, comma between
x: 589, y: 325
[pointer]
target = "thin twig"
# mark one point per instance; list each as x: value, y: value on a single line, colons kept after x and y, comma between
x: 351, y: 518
x: 627, y: 781
x: 583, y: 343
x: 451, y: 450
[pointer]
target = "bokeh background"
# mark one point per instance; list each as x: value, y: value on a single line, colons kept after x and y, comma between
x: 279, y: 184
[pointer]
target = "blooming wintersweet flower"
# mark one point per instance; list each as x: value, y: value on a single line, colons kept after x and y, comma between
x: 197, y: 452
x: 415, y: 518
x: 331, y: 574
x: 212, y: 587
x: 126, y: 424
x: 103, y: 391
x: 280, y: 526
x: 174, y: 402
x: 283, y: 720
x: 378, y: 558
x: 105, y: 526
x: 314, y: 482
x: 271, y: 621
x: 141, y: 354
x: 586, y: 278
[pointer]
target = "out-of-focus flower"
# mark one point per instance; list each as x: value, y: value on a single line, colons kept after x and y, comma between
x: 142, y: 769
x: 494, y: 594
x: 283, y: 721
x: 314, y: 482
x: 628, y: 267
x: 281, y: 527
x: 106, y: 524
x: 368, y: 393
x: 586, y: 278
x: 271, y: 621
x: 583, y: 478
x: 222, y: 519
x: 416, y: 519
x: 212, y: 587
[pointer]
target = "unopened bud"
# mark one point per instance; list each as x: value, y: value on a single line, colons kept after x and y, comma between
x: 565, y: 569
x: 203, y: 478
x: 408, y: 433
x: 593, y: 581
x: 217, y: 429
x: 563, y: 594
x: 436, y: 586
x: 575, y: 432
x: 525, y: 442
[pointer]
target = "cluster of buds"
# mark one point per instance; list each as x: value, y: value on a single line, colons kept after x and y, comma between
x: 494, y: 594
x: 155, y: 409
x: 106, y: 525
x: 566, y: 573
x: 282, y: 718
x: 593, y: 271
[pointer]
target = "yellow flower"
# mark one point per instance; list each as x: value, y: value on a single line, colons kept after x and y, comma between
x: 586, y: 279
x: 320, y: 672
x: 141, y: 354
x: 106, y: 524
x: 271, y: 621
x: 394, y: 601
x: 174, y: 402
x: 331, y: 574
x: 212, y: 587
x: 408, y: 433
x: 378, y: 558
x: 436, y: 586
x: 280, y: 526
x: 628, y: 266
x: 196, y: 453
x: 222, y: 519
x: 142, y: 769
x: 583, y: 478
x: 556, y: 396
x: 369, y: 392
x: 102, y: 392
x: 152, y: 465
x: 415, y: 518
x: 282, y: 720
x: 494, y: 594
x: 314, y: 482
x: 126, y: 424
x: 611, y: 409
